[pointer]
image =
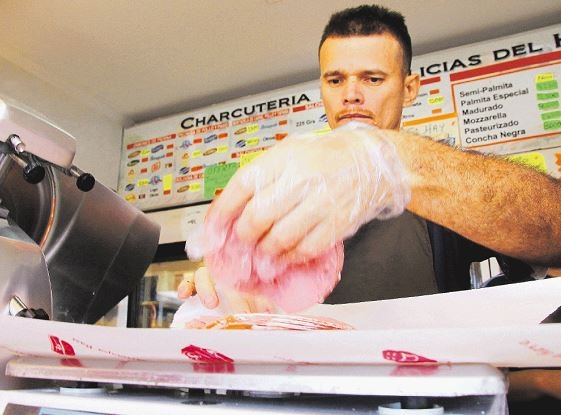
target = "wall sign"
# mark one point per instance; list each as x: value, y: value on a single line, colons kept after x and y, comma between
x: 500, y: 96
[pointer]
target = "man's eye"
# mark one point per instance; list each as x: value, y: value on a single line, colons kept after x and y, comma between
x: 334, y: 81
x: 374, y: 80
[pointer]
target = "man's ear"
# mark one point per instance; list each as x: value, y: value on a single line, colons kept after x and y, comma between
x: 411, y: 87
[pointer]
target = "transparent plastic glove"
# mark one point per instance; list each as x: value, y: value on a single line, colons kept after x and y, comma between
x: 277, y: 228
x: 311, y: 191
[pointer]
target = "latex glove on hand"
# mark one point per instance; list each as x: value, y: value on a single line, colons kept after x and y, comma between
x: 311, y: 191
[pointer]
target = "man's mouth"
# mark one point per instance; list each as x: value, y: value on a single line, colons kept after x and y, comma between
x: 355, y: 116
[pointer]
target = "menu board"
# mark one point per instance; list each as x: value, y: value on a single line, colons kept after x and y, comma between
x: 500, y: 96
x: 189, y: 158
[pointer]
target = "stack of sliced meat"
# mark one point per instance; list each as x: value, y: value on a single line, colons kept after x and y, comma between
x: 257, y: 321
x: 290, y: 284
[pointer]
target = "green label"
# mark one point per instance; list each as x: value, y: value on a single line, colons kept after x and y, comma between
x: 544, y: 86
x: 544, y: 96
x: 546, y: 106
x: 551, y: 115
x: 217, y: 177
x: 552, y: 125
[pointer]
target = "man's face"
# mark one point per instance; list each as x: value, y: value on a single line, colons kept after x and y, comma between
x: 362, y: 79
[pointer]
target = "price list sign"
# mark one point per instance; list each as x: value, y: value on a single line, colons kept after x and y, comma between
x: 509, y: 102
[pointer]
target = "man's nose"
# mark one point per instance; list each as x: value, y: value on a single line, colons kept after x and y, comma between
x: 352, y: 93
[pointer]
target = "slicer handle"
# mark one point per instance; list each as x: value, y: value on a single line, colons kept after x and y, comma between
x: 84, y: 181
x: 33, y: 173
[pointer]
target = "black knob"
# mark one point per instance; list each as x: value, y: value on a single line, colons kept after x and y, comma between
x: 33, y: 173
x: 85, y: 182
x: 38, y: 313
x: 16, y: 307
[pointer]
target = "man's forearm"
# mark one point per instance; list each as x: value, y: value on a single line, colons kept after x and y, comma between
x: 506, y: 207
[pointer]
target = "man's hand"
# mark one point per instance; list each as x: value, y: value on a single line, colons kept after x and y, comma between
x: 531, y: 384
x: 229, y: 300
x: 201, y: 284
x: 311, y: 191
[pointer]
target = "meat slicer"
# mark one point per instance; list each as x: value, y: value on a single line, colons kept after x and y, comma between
x: 70, y: 248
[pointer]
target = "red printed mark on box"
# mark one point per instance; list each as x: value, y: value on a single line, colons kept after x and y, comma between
x: 61, y: 347
x: 402, y: 356
x: 200, y: 354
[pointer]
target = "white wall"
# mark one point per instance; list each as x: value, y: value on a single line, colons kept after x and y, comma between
x: 98, y: 138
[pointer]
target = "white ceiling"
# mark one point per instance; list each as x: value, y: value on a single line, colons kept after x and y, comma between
x: 135, y: 60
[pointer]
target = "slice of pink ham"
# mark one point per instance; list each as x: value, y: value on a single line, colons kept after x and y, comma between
x: 292, y: 286
x: 259, y: 321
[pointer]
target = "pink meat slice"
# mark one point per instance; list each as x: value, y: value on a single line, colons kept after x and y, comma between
x: 260, y: 321
x: 292, y: 286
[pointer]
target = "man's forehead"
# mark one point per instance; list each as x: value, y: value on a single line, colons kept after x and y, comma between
x: 371, y: 52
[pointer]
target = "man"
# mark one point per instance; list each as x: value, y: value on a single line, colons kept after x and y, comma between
x: 365, y: 57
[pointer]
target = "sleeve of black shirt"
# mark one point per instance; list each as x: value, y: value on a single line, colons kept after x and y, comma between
x: 453, y: 255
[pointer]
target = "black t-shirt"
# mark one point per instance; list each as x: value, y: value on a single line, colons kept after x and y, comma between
x: 407, y: 256
x: 386, y: 259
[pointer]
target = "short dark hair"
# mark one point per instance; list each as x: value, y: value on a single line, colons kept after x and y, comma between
x: 370, y: 20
